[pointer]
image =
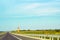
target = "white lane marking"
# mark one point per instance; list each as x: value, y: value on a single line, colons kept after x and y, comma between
x: 16, y: 37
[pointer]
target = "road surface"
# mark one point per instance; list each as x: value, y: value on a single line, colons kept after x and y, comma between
x: 9, y: 36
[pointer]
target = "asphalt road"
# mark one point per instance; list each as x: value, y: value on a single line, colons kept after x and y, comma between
x: 9, y: 36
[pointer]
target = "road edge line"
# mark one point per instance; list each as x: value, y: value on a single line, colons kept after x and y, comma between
x: 16, y: 37
x: 28, y: 36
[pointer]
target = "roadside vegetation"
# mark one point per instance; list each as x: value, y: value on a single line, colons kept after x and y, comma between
x: 1, y: 32
x: 56, y: 31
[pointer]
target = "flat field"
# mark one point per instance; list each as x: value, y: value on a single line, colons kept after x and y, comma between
x: 37, y: 32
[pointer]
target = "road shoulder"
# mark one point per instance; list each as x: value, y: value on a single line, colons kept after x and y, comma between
x: 27, y: 36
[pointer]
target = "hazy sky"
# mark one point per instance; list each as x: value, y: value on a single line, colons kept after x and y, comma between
x: 29, y: 14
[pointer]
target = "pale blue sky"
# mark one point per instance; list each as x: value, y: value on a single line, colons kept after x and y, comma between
x: 29, y: 14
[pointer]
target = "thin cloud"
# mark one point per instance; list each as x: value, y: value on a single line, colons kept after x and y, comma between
x: 31, y: 6
x: 34, y: 9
